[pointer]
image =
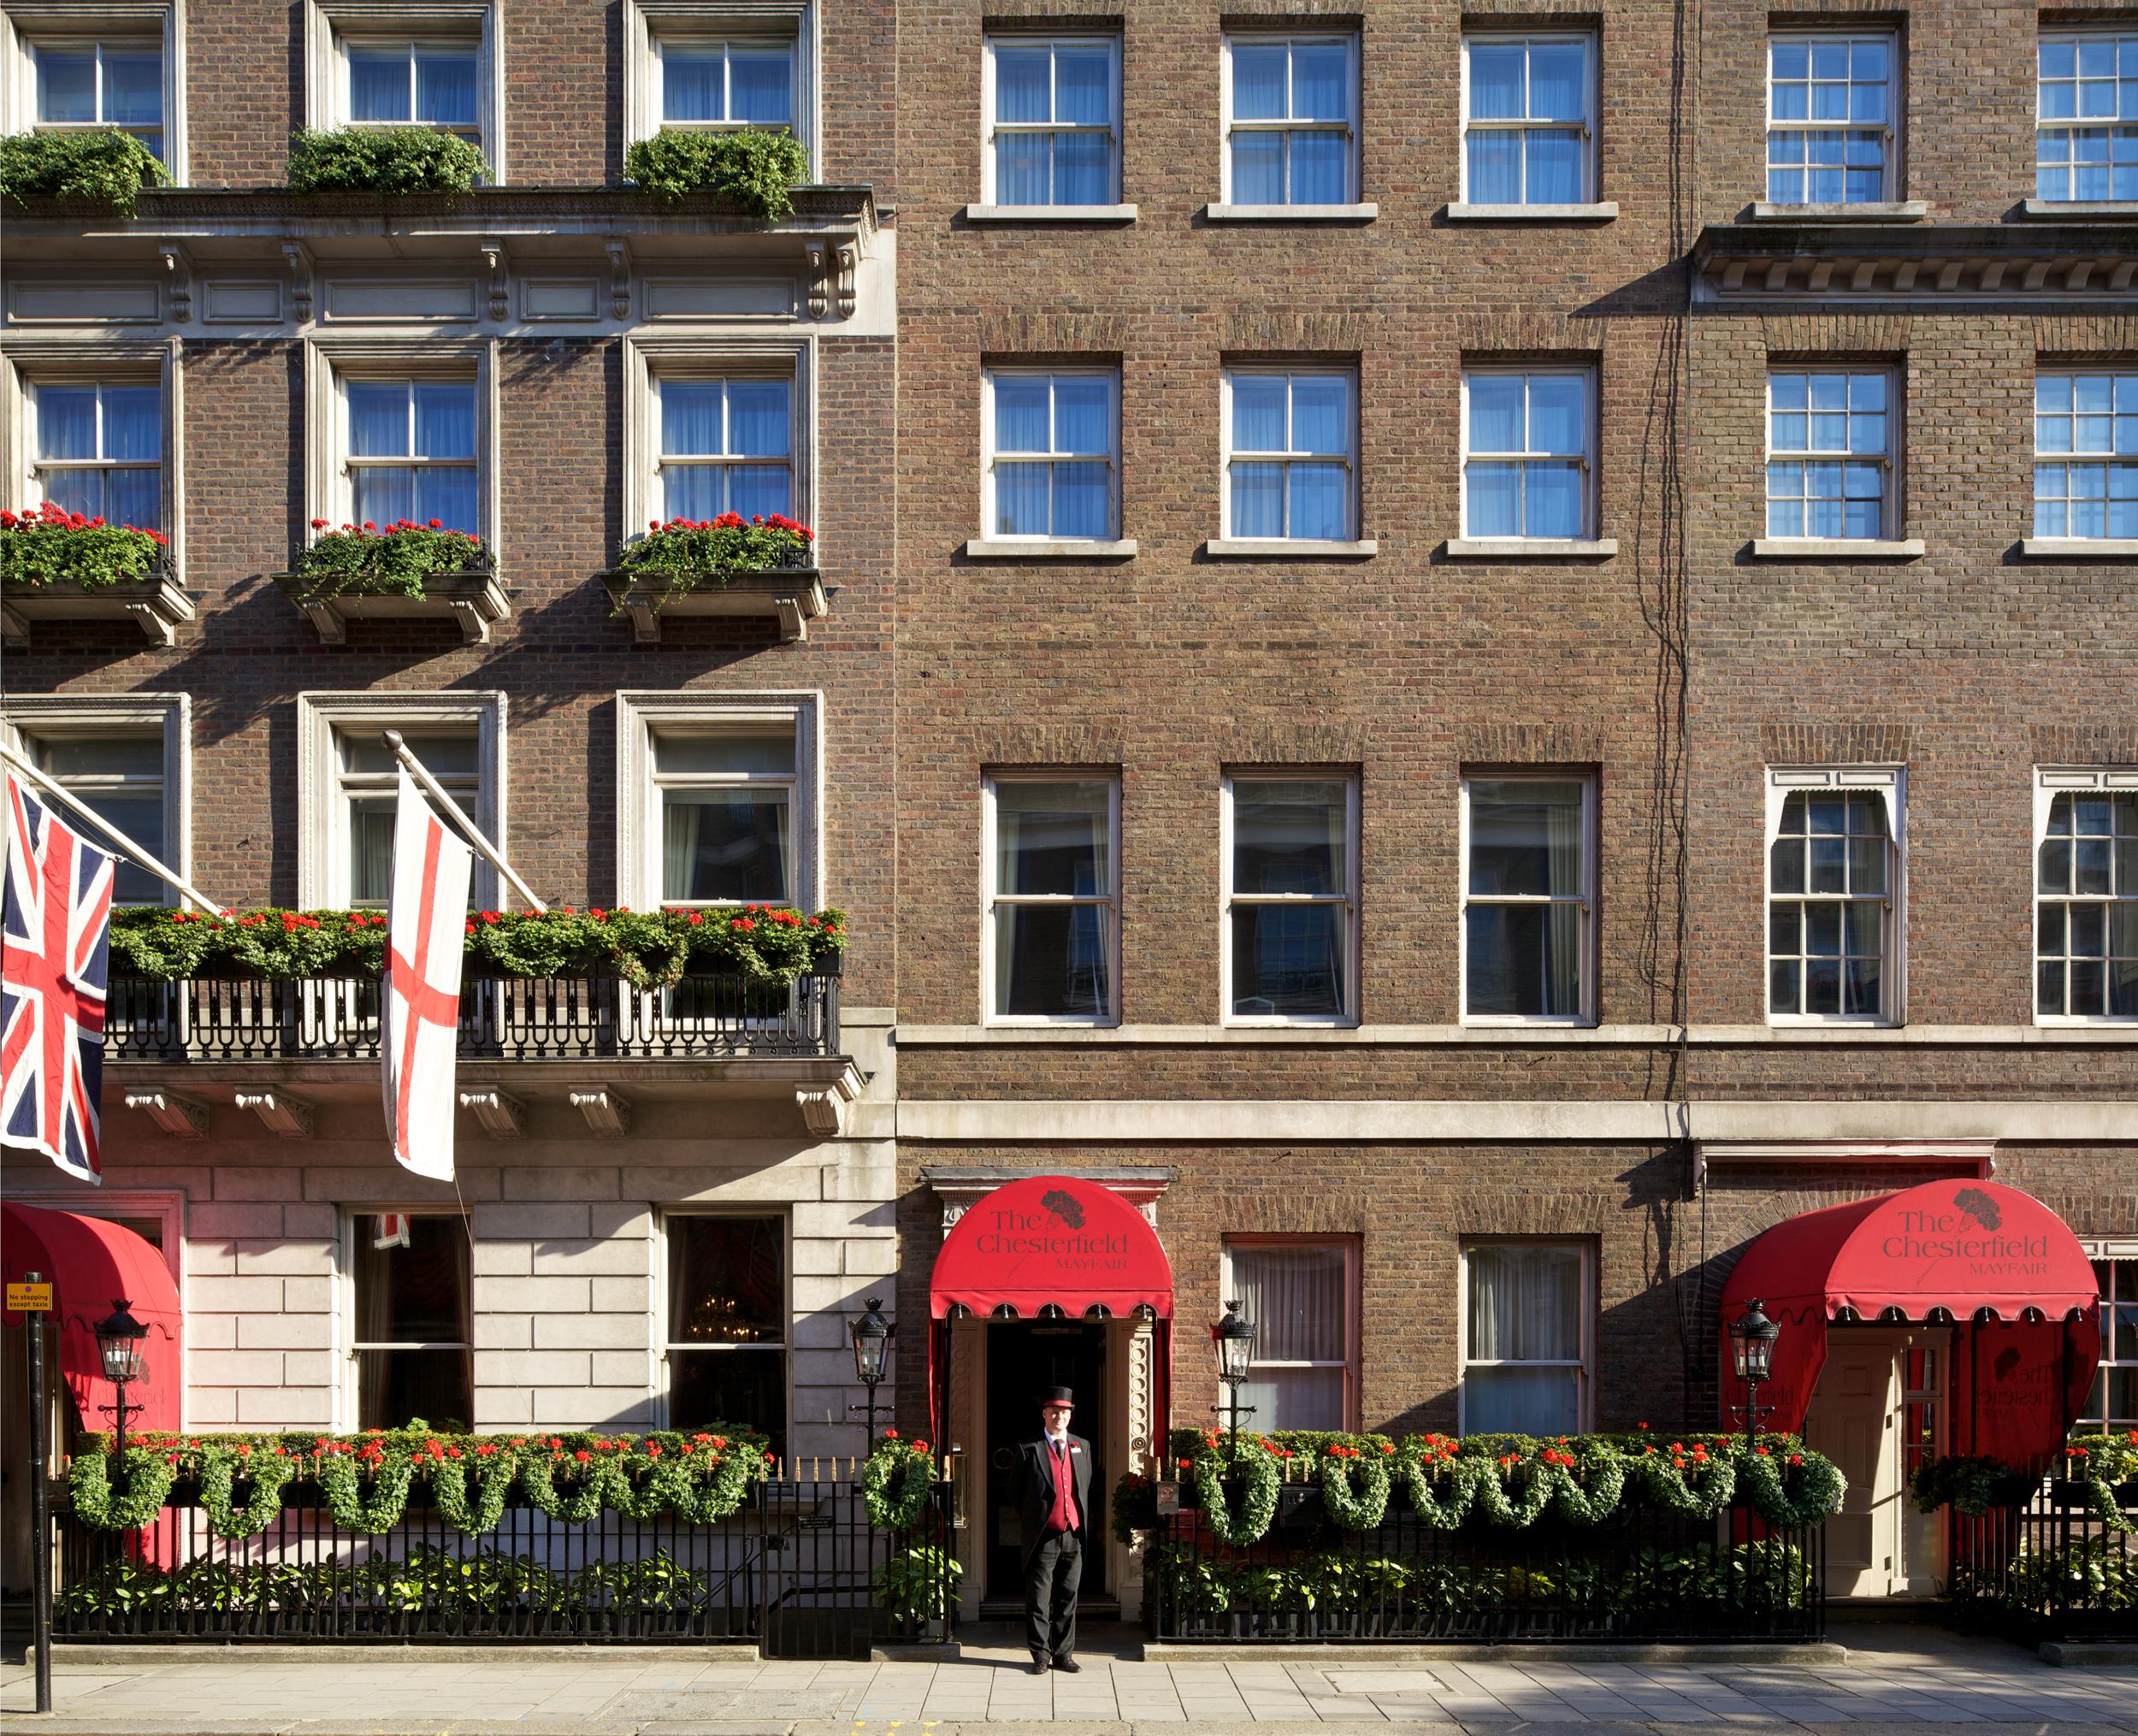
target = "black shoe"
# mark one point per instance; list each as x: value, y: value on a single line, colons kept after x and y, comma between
x: 1068, y: 1663
x: 1041, y: 1663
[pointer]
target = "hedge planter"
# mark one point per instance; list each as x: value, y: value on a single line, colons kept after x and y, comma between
x: 792, y: 596
x: 473, y: 599
x: 154, y: 604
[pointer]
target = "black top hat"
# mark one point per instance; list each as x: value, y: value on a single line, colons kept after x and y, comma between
x: 1057, y: 1395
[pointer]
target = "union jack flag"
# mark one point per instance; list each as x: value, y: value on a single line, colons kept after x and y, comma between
x: 58, y: 920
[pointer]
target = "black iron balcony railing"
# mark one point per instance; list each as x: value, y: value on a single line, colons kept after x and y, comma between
x: 512, y: 1018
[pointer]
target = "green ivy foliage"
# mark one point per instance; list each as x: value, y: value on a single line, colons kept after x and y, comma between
x: 753, y: 167
x: 52, y: 547
x: 390, y: 563
x: 104, y: 166
x: 383, y: 160
x: 648, y: 949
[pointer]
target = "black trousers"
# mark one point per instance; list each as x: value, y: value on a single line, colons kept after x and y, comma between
x: 1053, y: 1572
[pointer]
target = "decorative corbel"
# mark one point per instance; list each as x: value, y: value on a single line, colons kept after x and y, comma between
x: 819, y: 291
x: 849, y: 259
x: 299, y: 257
x: 493, y: 257
x: 821, y: 1112
x: 182, y: 1117
x: 178, y: 270
x: 608, y: 1112
x: 288, y: 1117
x: 503, y: 1116
x: 619, y: 277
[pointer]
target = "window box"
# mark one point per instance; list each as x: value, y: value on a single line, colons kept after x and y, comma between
x: 153, y: 602
x: 792, y: 594
x: 472, y: 598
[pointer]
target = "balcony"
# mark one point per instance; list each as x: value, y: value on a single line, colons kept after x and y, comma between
x: 594, y: 1039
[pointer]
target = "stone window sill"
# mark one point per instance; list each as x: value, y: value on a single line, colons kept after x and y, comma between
x: 1050, y: 214
x: 1836, y: 548
x: 1881, y: 211
x: 1287, y: 549
x: 2079, y: 548
x: 1290, y: 214
x: 1530, y: 548
x: 1603, y: 212
x: 2064, y: 210
x: 982, y: 548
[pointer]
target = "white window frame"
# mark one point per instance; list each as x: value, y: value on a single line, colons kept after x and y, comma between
x: 1353, y: 123
x: 1349, y: 1248
x: 1888, y: 462
x: 661, y: 1379
x: 30, y: 363
x: 331, y: 25
x: 2108, y: 1248
x: 2126, y: 39
x: 2049, y: 783
x: 322, y: 814
x: 643, y: 713
x: 1782, y: 782
x: 646, y: 21
x: 989, y: 456
x: 169, y: 715
x: 1587, y: 458
x: 25, y: 23
x: 1585, y: 129
x: 1464, y: 1362
x: 661, y: 379
x: 1229, y: 900
x: 990, y: 783
x: 1889, y: 180
x: 331, y: 360
x: 1228, y: 457
x: 2109, y: 461
x: 348, y: 1388
x: 991, y: 128
x: 1586, y: 899
x: 647, y: 359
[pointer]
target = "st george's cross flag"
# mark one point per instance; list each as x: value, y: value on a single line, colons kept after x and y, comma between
x: 52, y: 981
x: 427, y: 920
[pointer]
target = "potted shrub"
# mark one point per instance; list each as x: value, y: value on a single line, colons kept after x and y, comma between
x: 101, y: 166
x: 395, y: 160
x: 763, y: 566
x: 61, y: 566
x: 752, y: 166
x: 404, y: 570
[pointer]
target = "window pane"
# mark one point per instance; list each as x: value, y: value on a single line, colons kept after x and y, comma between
x: 1558, y: 81
x: 1320, y: 81
x: 725, y: 844
x: 1524, y: 1303
x: 1258, y: 500
x: 1290, y: 837
x: 1022, y: 82
x: 1319, y: 165
x: 1495, y: 500
x: 691, y: 84
x: 691, y: 418
x: 1558, y: 413
x: 1496, y: 80
x: 760, y: 86
x: 395, y: 1387
x: 1320, y: 414
x: 445, y: 86
x: 134, y: 497
x: 447, y: 493
x: 1083, y: 414
x: 1022, y: 500
x: 757, y: 491
x: 1294, y: 1296
x: 1052, y: 960
x: 1552, y: 500
x: 1052, y: 838
x: 133, y: 86
x: 1083, y: 86
x: 417, y: 1294
x: 1258, y: 413
x: 65, y: 84
x: 1554, y: 168
x: 1524, y: 960
x: 1258, y: 82
x: 378, y: 420
x: 67, y: 421
x: 734, y: 1389
x: 1258, y: 168
x: 1082, y: 169
x: 379, y: 84
x: 445, y: 420
x: 1081, y: 506
x: 1288, y: 960
x: 383, y: 493
x: 1496, y: 413
x: 1021, y: 418
x: 732, y: 753
x: 1295, y: 1398
x: 1544, y: 1402
x: 1020, y: 170
x: 757, y: 418
x: 727, y: 1282
x: 1496, y: 167
x: 1316, y: 501
x: 133, y: 423
x: 1524, y: 837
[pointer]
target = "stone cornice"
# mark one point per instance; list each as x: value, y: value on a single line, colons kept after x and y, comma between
x: 1765, y: 262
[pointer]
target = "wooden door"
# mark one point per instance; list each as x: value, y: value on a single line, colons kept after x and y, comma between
x: 1855, y: 1421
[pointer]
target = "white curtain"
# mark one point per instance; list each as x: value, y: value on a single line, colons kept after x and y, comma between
x: 1562, y: 844
x: 1525, y: 1306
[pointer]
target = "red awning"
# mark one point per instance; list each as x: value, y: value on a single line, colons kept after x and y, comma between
x: 1961, y: 1249
x: 92, y: 1264
x: 1056, y: 1239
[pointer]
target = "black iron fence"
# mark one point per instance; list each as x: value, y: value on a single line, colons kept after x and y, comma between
x: 507, y: 1018
x: 2054, y: 1568
x: 1643, y: 1574
x: 798, y: 1569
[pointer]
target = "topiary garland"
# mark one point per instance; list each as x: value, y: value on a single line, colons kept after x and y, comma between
x: 1362, y: 1511
x: 1254, y: 1458
x: 148, y: 1479
x: 345, y: 1505
x: 219, y: 1474
x: 908, y: 1464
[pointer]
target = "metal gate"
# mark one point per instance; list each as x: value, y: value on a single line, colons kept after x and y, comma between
x: 824, y: 1567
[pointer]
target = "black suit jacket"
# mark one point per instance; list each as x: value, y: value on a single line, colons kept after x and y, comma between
x: 1035, y: 1487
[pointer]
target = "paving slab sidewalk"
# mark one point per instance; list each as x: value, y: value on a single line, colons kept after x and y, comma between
x: 1895, y: 1678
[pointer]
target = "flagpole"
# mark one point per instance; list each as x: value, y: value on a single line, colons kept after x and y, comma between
x: 472, y: 832
x: 139, y: 856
